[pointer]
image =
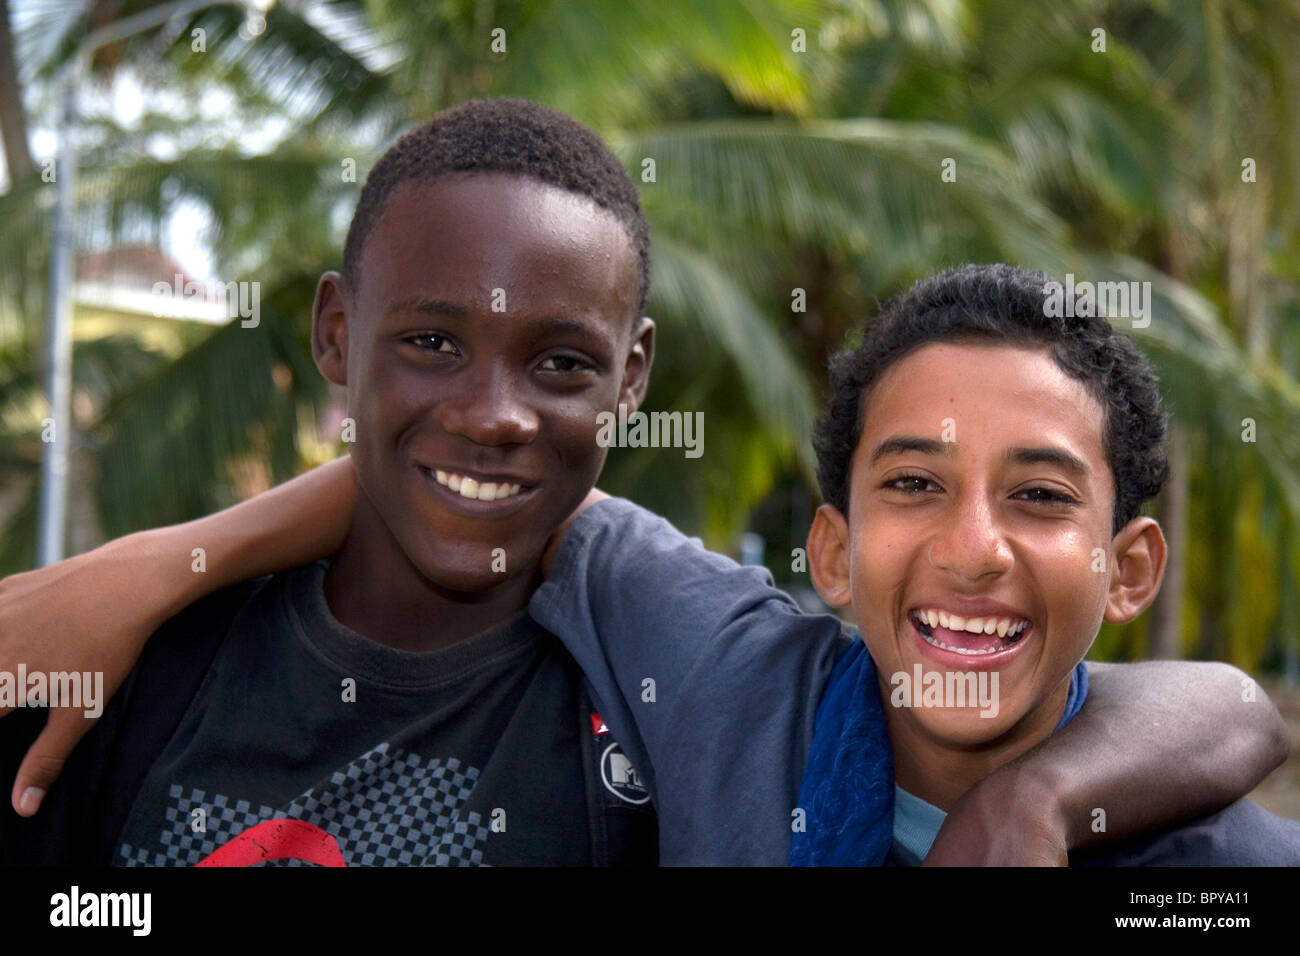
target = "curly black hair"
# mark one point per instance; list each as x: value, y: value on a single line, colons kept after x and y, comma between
x: 1004, y: 304
x: 504, y: 136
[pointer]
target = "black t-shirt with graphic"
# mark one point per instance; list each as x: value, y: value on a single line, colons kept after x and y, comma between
x: 300, y: 741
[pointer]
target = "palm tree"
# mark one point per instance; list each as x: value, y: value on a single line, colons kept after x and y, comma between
x: 165, y: 437
x: 775, y: 171
x: 1133, y: 148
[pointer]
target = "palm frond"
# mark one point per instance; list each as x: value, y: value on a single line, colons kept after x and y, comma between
x: 871, y: 187
x: 168, y: 440
x: 698, y: 303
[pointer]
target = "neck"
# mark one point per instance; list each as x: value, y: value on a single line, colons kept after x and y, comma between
x: 373, y: 588
x: 940, y: 770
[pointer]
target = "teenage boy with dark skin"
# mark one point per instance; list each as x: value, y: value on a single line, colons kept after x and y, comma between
x: 489, y: 308
x: 437, y: 323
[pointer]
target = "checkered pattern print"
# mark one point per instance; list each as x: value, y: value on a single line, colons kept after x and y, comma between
x: 386, y: 808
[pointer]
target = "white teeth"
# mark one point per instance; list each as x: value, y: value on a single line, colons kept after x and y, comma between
x: 473, y: 488
x: 970, y: 652
x: 1002, y: 626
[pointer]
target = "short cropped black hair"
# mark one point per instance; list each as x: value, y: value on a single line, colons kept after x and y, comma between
x: 1007, y: 305
x: 504, y: 136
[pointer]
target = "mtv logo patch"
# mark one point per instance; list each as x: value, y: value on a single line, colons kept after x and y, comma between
x: 620, y: 777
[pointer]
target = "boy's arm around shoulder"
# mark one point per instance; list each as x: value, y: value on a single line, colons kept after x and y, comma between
x: 707, y: 674
x: 1157, y: 744
x: 635, y: 600
x: 95, y: 611
x: 82, y: 817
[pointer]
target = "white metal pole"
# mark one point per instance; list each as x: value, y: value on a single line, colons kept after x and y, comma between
x: 58, y: 307
x: 57, y: 431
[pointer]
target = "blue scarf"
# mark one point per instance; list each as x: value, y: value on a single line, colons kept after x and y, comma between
x: 847, y: 793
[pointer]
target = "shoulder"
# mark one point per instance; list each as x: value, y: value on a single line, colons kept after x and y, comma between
x: 220, y: 605
x: 181, y: 652
x: 1241, y: 834
x: 206, y: 621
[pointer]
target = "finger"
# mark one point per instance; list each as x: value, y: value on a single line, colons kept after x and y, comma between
x: 45, y: 759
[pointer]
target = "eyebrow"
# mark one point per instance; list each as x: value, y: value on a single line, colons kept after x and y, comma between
x: 428, y: 306
x: 555, y: 325
x: 901, y: 444
x: 1049, y: 456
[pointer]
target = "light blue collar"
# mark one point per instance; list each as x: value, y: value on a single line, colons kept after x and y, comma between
x: 917, y: 822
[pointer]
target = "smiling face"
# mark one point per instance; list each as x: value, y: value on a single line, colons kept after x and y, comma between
x: 982, y: 501
x: 495, y: 318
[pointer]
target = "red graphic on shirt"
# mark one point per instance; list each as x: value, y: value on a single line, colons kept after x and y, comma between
x: 278, y: 840
x: 597, y: 725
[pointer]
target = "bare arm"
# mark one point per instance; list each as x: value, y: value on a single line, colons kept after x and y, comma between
x: 101, y: 607
x: 1157, y: 744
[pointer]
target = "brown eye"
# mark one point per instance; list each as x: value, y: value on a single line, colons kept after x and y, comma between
x: 432, y: 343
x: 1046, y: 496
x: 911, y: 484
x: 562, y: 363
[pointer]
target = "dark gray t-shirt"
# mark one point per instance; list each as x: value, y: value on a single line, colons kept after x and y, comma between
x: 307, y: 743
x: 711, y: 678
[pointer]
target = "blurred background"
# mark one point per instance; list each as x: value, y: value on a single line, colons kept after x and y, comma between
x: 795, y: 185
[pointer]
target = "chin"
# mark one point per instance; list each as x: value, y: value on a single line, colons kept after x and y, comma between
x: 966, y: 728
x: 469, y: 566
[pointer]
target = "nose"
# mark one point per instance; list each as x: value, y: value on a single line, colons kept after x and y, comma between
x: 971, y: 544
x: 490, y: 409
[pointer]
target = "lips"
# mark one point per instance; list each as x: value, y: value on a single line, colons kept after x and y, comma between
x: 967, y: 641
x: 476, y: 493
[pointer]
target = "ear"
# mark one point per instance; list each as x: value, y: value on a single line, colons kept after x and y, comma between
x: 329, y: 328
x: 1138, y: 567
x: 636, y: 370
x: 828, y: 556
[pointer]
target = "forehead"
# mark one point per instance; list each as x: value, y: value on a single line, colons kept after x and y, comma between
x: 995, y: 395
x: 464, y: 236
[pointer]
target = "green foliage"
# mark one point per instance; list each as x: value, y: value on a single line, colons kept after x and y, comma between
x: 774, y: 170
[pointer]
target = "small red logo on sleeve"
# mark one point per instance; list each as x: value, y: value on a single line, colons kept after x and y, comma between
x: 598, y: 726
